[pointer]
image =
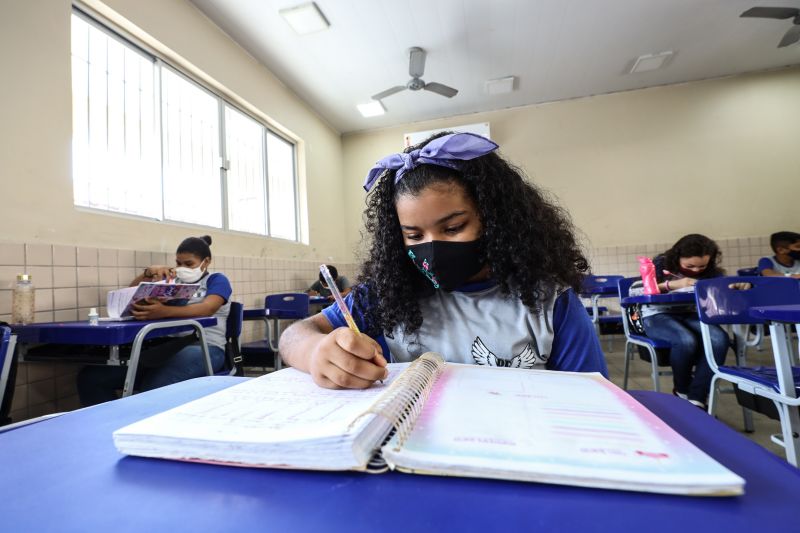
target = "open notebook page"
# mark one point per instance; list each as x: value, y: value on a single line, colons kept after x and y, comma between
x: 280, y: 419
x: 557, y: 427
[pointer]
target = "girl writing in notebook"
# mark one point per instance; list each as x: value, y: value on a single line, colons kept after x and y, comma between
x: 692, y: 258
x: 466, y: 259
x: 173, y: 359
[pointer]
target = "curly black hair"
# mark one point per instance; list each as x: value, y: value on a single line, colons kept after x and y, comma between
x: 694, y: 245
x: 529, y: 242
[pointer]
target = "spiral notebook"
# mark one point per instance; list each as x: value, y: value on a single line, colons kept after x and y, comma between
x: 431, y: 417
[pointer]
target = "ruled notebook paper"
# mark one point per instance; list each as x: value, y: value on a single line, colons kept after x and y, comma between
x: 282, y: 419
x: 556, y: 427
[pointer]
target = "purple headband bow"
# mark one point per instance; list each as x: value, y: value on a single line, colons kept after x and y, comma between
x: 442, y: 151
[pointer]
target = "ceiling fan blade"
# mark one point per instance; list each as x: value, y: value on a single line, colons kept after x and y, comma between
x: 389, y: 92
x: 416, y: 62
x: 771, y: 12
x: 438, y: 88
x: 791, y: 36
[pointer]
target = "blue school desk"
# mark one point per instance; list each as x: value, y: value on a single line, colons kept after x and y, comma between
x: 789, y: 314
x: 272, y: 330
x: 656, y: 299
x: 64, y: 474
x: 111, y: 334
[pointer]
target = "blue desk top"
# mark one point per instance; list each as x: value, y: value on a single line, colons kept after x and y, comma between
x: 655, y: 299
x: 777, y: 313
x: 602, y: 291
x: 84, y: 484
x: 105, y: 333
x: 254, y: 314
x: 259, y: 313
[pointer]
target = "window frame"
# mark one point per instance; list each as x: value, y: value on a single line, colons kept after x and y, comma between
x: 160, y: 62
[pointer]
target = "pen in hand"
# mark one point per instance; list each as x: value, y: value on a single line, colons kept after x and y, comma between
x: 337, y: 296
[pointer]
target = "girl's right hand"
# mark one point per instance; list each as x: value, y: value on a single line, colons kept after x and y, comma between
x: 159, y: 273
x: 685, y: 282
x: 346, y: 360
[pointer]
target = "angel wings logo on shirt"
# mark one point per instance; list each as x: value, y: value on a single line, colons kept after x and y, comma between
x: 527, y: 358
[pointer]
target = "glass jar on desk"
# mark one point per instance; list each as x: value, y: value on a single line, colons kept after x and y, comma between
x: 23, y: 304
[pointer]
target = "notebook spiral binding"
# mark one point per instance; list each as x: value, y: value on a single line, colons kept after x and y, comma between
x: 402, y: 402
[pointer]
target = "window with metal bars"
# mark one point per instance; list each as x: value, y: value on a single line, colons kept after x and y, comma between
x: 149, y: 141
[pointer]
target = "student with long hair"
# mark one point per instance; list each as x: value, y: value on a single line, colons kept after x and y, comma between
x: 466, y: 258
x: 692, y: 258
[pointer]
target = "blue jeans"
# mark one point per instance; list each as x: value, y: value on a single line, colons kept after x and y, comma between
x: 98, y: 384
x: 682, y: 331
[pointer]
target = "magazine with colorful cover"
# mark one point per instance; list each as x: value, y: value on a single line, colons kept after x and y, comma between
x: 119, y: 301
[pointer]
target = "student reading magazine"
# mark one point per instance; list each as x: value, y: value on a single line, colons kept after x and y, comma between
x: 468, y: 259
x: 177, y: 358
x: 120, y: 303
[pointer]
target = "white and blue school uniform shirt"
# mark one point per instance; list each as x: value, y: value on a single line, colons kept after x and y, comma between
x: 218, y: 284
x: 773, y: 264
x: 477, y: 324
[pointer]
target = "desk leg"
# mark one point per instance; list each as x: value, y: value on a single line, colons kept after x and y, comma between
x: 273, y: 342
x: 740, y: 350
x: 272, y: 332
x: 113, y: 356
x: 136, y: 349
x: 790, y: 420
x: 206, y: 355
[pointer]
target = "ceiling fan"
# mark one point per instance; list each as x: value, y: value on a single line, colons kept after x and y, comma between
x: 416, y: 67
x: 791, y: 36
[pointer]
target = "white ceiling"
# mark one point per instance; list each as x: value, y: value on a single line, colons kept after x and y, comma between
x: 558, y: 49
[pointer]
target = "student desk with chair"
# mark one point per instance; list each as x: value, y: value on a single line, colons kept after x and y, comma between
x: 656, y: 349
x: 112, y: 334
x: 594, y: 288
x: 684, y: 297
x: 277, y: 307
x: 659, y: 299
x: 47, y: 486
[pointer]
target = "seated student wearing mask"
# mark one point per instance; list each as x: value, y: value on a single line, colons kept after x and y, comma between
x: 171, y: 359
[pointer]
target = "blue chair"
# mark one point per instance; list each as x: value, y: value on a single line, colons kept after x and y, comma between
x: 277, y: 307
x: 289, y: 306
x: 758, y: 330
x: 233, y: 330
x: 758, y: 388
x: 654, y: 351
x: 594, y: 288
x: 8, y: 372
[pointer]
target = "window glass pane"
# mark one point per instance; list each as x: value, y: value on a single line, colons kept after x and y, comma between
x: 116, y: 155
x: 244, y: 149
x: 190, y: 131
x: 282, y: 204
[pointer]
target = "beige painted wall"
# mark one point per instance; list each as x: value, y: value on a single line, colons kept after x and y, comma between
x: 35, y: 132
x: 719, y: 157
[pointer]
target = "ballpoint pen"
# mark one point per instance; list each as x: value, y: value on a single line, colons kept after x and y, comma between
x: 339, y: 300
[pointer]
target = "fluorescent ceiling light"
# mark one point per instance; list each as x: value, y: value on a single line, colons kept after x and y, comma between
x: 650, y: 62
x: 372, y: 109
x: 305, y: 18
x: 499, y: 86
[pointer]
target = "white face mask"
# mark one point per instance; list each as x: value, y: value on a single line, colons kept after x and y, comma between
x: 190, y: 275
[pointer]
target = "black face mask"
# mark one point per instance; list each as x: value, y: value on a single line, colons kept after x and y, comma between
x: 447, y: 264
x: 795, y: 254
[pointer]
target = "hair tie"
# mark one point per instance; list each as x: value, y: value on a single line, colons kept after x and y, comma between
x: 443, y: 151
